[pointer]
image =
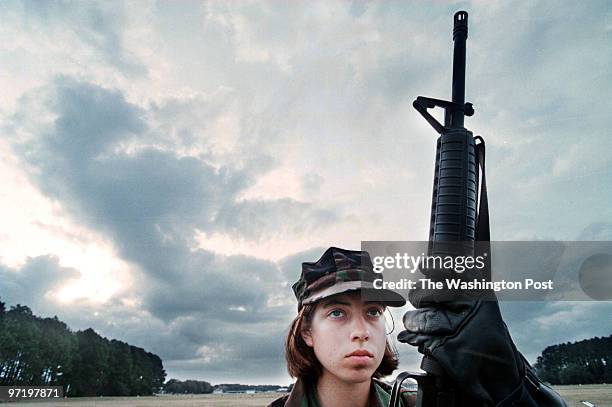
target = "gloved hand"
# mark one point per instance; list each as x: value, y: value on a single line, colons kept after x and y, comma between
x: 471, y: 343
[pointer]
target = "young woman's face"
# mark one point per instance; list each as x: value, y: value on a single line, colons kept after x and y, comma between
x: 348, y: 336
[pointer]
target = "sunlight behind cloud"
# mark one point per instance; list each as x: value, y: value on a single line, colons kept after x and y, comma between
x: 38, y: 226
x: 270, y: 249
x: 103, y: 275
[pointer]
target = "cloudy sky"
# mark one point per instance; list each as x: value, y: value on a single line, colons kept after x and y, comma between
x: 167, y: 166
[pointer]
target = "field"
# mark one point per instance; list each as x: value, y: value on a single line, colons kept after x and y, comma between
x: 600, y: 395
x: 212, y: 400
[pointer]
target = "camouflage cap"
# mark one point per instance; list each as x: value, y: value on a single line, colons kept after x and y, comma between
x: 338, y: 271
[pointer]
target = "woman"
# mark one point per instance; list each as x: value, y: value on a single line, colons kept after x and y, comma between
x: 337, y: 346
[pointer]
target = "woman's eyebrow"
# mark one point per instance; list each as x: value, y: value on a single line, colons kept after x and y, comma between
x: 335, y: 302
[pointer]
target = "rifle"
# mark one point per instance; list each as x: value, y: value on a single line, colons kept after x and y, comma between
x: 455, y: 223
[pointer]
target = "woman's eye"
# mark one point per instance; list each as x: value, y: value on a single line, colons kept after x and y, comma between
x: 336, y: 313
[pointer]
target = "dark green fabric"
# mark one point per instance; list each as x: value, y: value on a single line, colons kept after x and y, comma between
x: 379, y: 396
x: 382, y: 396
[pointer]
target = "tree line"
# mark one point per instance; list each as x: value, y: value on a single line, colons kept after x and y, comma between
x: 188, y: 387
x: 245, y: 387
x: 38, y: 351
x: 201, y: 387
x: 584, y: 362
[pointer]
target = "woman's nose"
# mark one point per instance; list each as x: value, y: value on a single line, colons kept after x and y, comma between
x: 360, y: 331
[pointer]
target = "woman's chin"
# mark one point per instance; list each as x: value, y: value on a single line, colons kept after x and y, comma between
x: 357, y: 374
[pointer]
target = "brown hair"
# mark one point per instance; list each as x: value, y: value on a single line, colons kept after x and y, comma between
x: 302, y: 362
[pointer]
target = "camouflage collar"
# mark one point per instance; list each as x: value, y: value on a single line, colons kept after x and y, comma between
x: 305, y: 395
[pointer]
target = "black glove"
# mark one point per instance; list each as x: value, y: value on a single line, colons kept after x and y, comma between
x: 471, y: 343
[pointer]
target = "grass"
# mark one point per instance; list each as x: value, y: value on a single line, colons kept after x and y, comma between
x: 216, y: 400
x: 598, y: 394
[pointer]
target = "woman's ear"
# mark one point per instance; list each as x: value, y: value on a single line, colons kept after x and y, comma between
x: 307, y: 337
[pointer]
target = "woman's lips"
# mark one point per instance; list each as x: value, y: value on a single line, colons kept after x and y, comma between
x: 360, y: 352
x: 360, y: 356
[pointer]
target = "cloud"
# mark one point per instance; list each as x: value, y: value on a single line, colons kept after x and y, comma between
x: 149, y: 202
x: 148, y: 191
x: 242, y: 219
x: 535, y: 74
x: 536, y: 325
x: 202, y: 331
x: 596, y: 231
x: 98, y: 25
x: 36, y: 282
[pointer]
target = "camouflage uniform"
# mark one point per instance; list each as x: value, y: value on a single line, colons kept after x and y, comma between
x: 304, y: 395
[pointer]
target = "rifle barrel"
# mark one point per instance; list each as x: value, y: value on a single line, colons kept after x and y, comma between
x: 460, y: 34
